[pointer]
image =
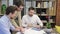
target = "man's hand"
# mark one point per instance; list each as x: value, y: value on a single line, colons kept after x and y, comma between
x: 19, y: 29
x: 22, y: 29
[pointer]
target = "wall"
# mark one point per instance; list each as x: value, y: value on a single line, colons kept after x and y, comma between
x: 58, y: 13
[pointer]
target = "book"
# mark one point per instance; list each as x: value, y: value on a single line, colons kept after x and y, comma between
x: 38, y: 5
x: 45, y: 4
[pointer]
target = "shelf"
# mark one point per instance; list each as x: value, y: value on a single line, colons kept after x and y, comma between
x: 44, y: 15
x: 40, y: 8
x: 38, y: 14
x: 44, y: 21
x: 42, y: 1
x: 52, y: 22
x: 52, y: 15
x: 1, y: 14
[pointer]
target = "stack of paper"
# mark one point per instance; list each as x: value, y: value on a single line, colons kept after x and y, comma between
x: 30, y: 31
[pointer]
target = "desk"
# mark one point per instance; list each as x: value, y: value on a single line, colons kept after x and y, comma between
x: 31, y: 31
x: 45, y: 30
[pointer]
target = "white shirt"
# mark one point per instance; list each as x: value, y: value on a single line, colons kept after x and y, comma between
x: 33, y: 20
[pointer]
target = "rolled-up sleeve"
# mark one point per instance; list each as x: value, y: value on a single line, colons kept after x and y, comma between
x: 24, y: 24
x: 12, y: 27
x: 39, y: 21
x: 14, y: 23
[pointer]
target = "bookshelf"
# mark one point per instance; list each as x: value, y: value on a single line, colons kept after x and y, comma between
x: 46, y: 10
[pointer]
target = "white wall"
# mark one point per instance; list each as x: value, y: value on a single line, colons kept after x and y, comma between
x: 10, y: 2
x: 4, y: 2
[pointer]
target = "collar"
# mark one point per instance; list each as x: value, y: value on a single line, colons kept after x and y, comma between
x: 7, y: 18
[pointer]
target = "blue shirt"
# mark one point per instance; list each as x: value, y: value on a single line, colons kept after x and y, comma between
x: 5, y: 25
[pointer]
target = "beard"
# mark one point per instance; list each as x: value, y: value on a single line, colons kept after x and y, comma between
x: 30, y: 15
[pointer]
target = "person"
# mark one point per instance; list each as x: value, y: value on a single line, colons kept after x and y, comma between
x: 5, y: 22
x: 19, y: 4
x: 31, y: 19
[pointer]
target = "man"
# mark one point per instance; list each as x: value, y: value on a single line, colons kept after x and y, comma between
x: 31, y: 19
x: 5, y: 23
x: 19, y: 4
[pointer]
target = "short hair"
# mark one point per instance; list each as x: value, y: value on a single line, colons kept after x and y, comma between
x: 10, y: 9
x: 31, y: 8
x: 19, y: 3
